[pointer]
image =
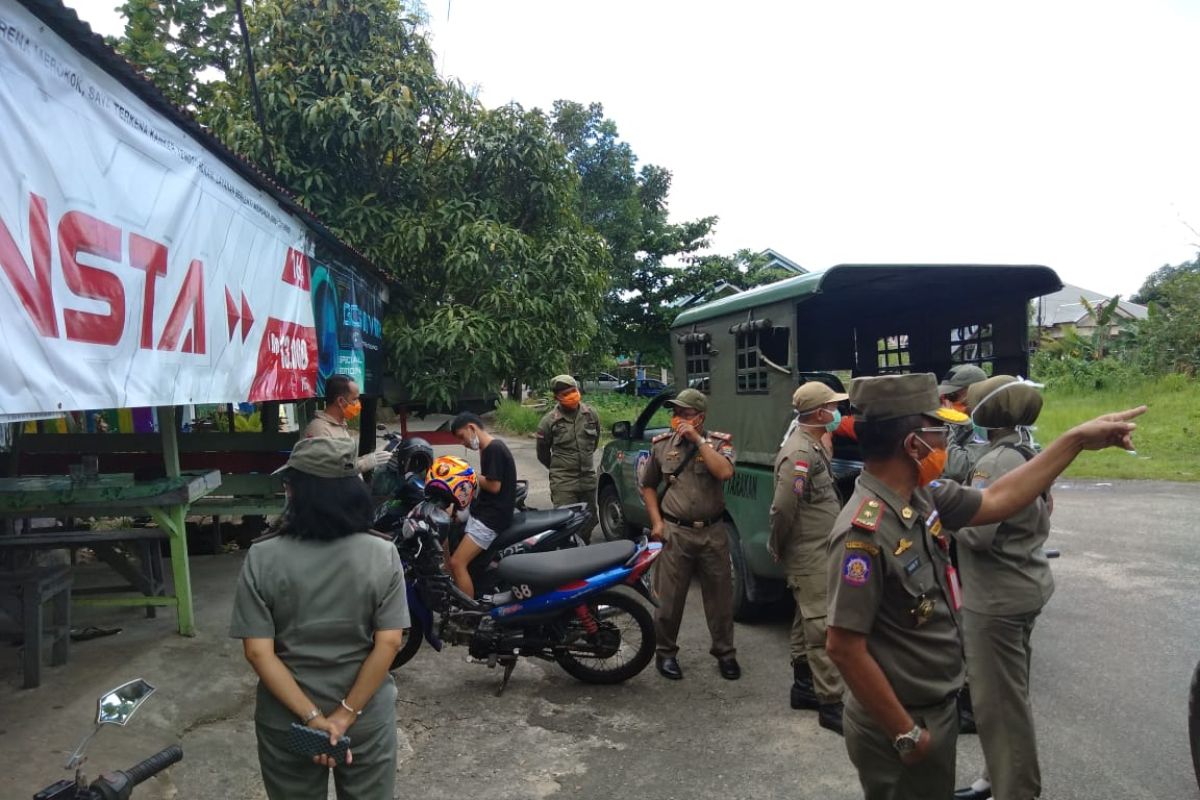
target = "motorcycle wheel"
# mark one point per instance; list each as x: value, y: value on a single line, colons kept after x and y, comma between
x: 1194, y: 722
x: 412, y: 643
x: 626, y: 629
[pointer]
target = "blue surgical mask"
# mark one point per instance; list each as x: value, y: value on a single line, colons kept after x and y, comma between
x: 831, y: 426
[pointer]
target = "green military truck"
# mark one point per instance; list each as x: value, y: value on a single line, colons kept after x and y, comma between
x: 750, y: 351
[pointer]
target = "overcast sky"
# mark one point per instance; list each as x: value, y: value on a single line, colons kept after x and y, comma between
x: 1059, y: 133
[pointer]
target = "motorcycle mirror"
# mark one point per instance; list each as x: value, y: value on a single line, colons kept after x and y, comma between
x: 118, y: 705
x: 114, y: 707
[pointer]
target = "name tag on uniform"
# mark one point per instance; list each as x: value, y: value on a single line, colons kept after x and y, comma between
x: 954, y: 587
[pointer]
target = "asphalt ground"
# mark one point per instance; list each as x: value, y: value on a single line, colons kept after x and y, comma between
x: 1113, y: 655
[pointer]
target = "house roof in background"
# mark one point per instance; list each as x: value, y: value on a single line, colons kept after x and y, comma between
x: 1065, y: 307
x: 777, y: 259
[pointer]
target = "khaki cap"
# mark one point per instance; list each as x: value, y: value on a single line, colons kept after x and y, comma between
x: 960, y: 377
x: 689, y: 398
x: 324, y: 457
x: 891, y: 396
x: 1004, y: 402
x: 815, y: 394
x: 560, y: 382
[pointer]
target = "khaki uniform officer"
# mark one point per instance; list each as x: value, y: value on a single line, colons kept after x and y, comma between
x: 803, y: 510
x: 966, y: 445
x: 688, y: 515
x: 894, y: 598
x: 567, y: 438
x: 1007, y: 581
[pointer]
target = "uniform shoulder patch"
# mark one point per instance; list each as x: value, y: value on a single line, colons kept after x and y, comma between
x: 660, y: 437
x: 868, y: 514
x: 725, y: 437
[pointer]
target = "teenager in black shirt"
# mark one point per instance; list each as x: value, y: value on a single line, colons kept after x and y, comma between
x: 492, y: 509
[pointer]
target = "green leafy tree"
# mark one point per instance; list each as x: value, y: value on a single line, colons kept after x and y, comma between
x: 1169, y: 339
x: 1152, y: 290
x: 628, y: 207
x: 474, y: 211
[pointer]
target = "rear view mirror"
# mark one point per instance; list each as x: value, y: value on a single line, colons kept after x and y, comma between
x: 118, y: 705
x: 620, y: 430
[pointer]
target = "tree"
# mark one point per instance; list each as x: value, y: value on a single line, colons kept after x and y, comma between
x: 1152, y: 287
x: 1170, y: 337
x: 628, y: 206
x: 475, y: 212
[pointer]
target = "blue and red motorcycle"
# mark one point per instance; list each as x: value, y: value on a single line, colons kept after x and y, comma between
x: 576, y: 607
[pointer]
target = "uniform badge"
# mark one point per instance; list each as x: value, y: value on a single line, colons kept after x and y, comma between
x: 639, y: 464
x: 856, y: 569
x: 798, y: 485
x: 867, y: 516
x: 802, y: 467
x: 866, y: 547
x: 923, y: 611
x: 913, y: 566
x: 934, y: 523
x: 906, y: 512
x: 902, y: 546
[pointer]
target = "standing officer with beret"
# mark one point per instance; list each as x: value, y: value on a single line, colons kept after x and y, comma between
x: 894, y: 598
x: 687, y: 514
x: 566, y: 443
x: 803, y: 510
x: 1007, y: 581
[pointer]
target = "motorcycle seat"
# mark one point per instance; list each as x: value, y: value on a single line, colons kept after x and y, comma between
x: 527, y: 523
x: 562, y: 566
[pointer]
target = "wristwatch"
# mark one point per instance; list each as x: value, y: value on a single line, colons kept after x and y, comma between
x: 905, y: 743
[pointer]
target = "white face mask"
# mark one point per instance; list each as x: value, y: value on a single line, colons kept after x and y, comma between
x: 474, y: 443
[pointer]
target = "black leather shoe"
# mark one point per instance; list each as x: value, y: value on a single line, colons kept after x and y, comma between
x: 730, y: 670
x: 966, y: 711
x: 972, y: 794
x: 668, y: 667
x: 803, y: 694
x: 829, y: 717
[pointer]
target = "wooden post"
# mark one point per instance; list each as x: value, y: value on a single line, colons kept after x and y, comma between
x: 168, y: 429
x: 269, y: 415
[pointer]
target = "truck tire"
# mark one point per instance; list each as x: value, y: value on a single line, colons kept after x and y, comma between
x: 1194, y: 722
x: 745, y: 607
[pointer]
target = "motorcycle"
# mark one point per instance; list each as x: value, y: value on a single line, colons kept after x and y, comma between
x: 114, y: 707
x: 567, y: 607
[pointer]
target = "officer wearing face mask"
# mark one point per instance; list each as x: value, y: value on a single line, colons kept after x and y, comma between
x: 566, y: 444
x: 894, y: 599
x: 967, y: 444
x: 803, y: 509
x: 342, y: 404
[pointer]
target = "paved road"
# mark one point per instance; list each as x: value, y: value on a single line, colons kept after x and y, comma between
x: 1113, y: 656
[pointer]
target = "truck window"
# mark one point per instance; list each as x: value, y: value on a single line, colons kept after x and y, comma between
x: 893, y: 356
x: 972, y: 344
x: 752, y: 347
x: 696, y: 359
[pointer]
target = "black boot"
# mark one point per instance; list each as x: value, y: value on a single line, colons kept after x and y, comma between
x: 966, y: 712
x: 829, y: 717
x: 803, y: 694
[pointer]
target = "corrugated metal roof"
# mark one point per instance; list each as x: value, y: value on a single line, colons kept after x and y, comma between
x: 1065, y: 307
x: 78, y: 34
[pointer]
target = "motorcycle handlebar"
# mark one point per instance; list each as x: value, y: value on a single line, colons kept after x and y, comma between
x: 155, y: 764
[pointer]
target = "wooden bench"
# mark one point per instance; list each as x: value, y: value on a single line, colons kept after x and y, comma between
x: 33, y: 588
x: 257, y: 495
x: 146, y: 577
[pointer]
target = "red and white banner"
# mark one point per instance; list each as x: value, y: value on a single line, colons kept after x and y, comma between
x: 136, y: 269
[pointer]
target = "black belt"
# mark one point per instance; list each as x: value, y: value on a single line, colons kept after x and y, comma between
x: 693, y: 523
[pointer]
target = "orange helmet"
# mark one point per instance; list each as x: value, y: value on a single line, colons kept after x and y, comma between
x: 451, y: 479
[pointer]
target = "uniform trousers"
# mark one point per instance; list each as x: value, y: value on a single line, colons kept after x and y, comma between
x: 371, y: 774
x: 565, y: 494
x: 998, y: 655
x: 703, y: 552
x: 808, y: 634
x: 882, y: 774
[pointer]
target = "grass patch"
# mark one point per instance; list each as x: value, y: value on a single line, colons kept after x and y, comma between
x: 521, y: 420
x: 1167, y: 438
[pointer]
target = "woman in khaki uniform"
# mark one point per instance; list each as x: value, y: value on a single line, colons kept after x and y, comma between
x: 321, y: 607
x: 1006, y: 582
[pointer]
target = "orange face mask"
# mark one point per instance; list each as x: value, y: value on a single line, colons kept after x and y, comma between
x: 930, y: 467
x: 569, y: 400
x: 352, y: 410
x: 695, y: 422
x: 959, y: 406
